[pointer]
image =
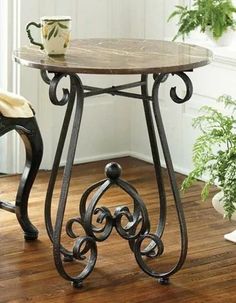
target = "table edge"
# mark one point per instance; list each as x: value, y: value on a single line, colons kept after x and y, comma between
x: 96, y: 71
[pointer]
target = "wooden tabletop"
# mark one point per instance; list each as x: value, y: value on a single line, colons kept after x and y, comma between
x: 117, y: 56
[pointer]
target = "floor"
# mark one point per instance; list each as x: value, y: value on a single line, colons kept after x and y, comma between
x: 27, y: 272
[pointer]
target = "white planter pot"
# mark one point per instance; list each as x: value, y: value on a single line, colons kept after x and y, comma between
x: 227, y: 38
x: 218, y: 204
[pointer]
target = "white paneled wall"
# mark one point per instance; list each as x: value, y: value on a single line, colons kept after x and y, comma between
x: 111, y: 126
x: 5, y: 141
x: 209, y: 83
x: 154, y: 29
x: 106, y: 125
x: 90, y: 19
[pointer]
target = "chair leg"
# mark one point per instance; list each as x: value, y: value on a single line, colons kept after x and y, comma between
x: 30, y: 134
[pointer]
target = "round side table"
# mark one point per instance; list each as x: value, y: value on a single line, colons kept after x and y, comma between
x: 112, y: 57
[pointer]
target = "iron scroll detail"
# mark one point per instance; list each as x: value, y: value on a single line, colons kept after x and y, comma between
x: 70, y: 97
x: 163, y: 77
x: 95, y: 221
x: 189, y: 89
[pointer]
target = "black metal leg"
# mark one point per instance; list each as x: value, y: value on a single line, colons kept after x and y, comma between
x: 75, y: 95
x: 34, y: 152
x: 155, y: 156
x: 150, y: 249
x: 30, y: 134
x: 163, y: 277
x: 69, y: 96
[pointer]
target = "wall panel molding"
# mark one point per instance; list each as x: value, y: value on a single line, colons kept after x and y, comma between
x: 127, y: 132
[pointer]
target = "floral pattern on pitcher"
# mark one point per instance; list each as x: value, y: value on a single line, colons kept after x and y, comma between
x: 55, y: 34
x: 56, y: 29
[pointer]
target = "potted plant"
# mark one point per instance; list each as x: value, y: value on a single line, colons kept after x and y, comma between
x: 214, y: 154
x: 215, y: 17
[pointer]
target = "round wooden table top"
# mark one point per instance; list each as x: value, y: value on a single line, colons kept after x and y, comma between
x: 117, y: 56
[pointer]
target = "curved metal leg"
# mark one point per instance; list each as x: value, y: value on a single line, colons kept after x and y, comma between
x: 69, y: 98
x: 75, y: 95
x: 155, y: 156
x: 34, y: 152
x: 30, y: 134
x: 150, y: 249
x: 163, y: 277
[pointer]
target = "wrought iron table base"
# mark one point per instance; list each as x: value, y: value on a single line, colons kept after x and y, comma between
x: 138, y: 227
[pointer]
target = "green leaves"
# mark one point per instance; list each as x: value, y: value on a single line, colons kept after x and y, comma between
x: 215, y: 15
x: 51, y: 32
x: 62, y: 25
x: 187, y: 20
x: 181, y: 10
x: 214, y: 152
x: 55, y: 29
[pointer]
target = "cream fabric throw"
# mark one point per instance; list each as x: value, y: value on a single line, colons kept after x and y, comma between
x: 14, y: 106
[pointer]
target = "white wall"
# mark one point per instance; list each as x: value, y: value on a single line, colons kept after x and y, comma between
x: 106, y: 125
x: 209, y: 83
x: 111, y: 126
x: 8, y: 143
x: 154, y: 29
x: 104, y: 119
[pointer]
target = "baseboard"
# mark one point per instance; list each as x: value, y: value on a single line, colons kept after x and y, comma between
x: 140, y: 156
x: 146, y: 158
x: 98, y: 158
x: 133, y: 154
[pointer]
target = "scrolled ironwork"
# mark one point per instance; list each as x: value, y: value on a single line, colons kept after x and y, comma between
x: 100, y: 234
x: 179, y: 209
x: 44, y: 75
x: 189, y: 89
x: 164, y: 79
x: 129, y: 229
x: 137, y: 226
x: 82, y: 245
x: 70, y: 232
x: 53, y: 91
x: 156, y: 160
x: 138, y: 222
x: 75, y: 86
x: 53, y: 87
x: 79, y: 252
x: 97, y: 222
x: 70, y: 227
x: 140, y: 215
x: 70, y: 97
x: 157, y: 251
x: 159, y: 248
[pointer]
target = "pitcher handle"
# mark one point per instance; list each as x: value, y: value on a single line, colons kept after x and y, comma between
x: 30, y: 36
